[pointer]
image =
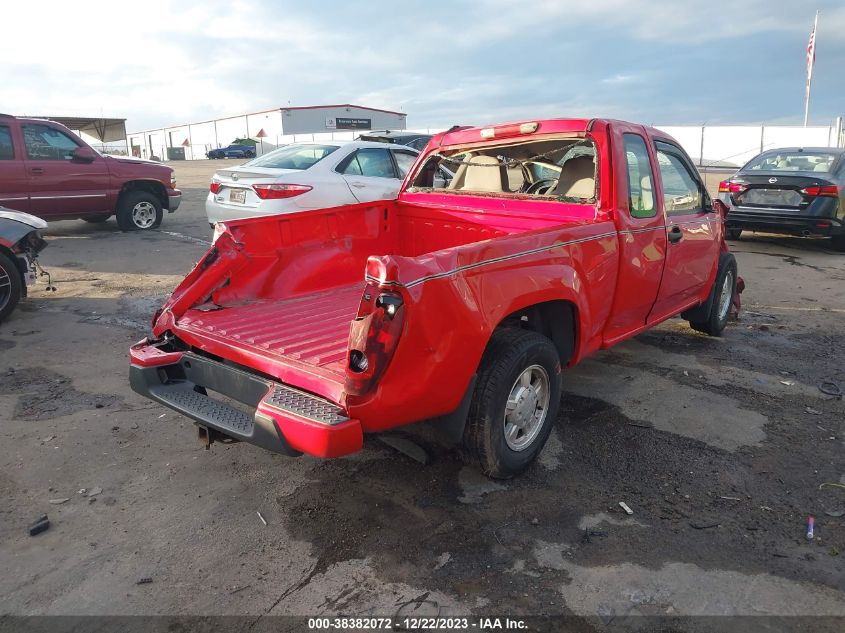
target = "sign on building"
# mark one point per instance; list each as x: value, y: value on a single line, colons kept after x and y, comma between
x: 347, y: 123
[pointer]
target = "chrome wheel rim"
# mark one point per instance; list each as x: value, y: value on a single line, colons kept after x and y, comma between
x: 143, y: 215
x: 725, y: 295
x: 5, y: 287
x: 526, y: 408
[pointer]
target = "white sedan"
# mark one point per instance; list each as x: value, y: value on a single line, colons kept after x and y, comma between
x: 305, y: 176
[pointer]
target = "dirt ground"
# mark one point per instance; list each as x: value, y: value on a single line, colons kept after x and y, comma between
x: 721, y: 447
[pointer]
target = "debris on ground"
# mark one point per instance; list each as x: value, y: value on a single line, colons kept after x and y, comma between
x: 261, y: 517
x: 830, y: 388
x: 49, y: 438
x: 830, y: 484
x: 146, y: 580
x: 810, y: 525
x: 406, y: 447
x: 587, y: 536
x: 835, y: 513
x: 56, y: 502
x: 812, y: 411
x: 625, y: 507
x: 703, y: 526
x: 95, y: 491
x: 730, y: 498
x: 41, y: 524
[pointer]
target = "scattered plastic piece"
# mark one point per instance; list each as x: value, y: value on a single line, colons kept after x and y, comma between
x: 40, y: 525
x: 56, y: 502
x: 625, y: 507
x: 261, y: 517
x: 810, y: 524
x: 830, y: 389
x: 703, y: 526
x: 146, y: 580
x: 831, y: 485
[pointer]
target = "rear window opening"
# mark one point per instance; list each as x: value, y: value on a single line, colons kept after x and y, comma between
x: 561, y: 169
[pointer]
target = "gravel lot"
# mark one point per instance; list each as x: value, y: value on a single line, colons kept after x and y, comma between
x: 720, y: 447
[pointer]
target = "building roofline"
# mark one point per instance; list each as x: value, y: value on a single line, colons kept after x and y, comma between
x: 279, y: 109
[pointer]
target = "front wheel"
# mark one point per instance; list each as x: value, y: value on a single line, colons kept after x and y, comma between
x: 515, y: 404
x: 10, y: 286
x: 139, y: 211
x: 722, y: 294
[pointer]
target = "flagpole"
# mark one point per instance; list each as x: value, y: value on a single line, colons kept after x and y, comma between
x: 810, y: 64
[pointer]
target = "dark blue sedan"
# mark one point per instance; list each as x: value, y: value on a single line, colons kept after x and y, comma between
x: 232, y: 151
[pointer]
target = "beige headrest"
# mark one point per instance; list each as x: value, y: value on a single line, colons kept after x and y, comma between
x: 484, y: 173
x: 577, y: 178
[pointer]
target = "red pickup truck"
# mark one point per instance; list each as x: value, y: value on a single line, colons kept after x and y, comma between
x: 460, y: 301
x: 48, y: 171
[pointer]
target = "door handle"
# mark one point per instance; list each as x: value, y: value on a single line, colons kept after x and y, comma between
x: 358, y: 185
x: 675, y: 234
x: 36, y: 171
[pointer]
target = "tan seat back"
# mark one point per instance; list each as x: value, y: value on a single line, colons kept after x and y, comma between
x: 577, y: 178
x: 480, y: 173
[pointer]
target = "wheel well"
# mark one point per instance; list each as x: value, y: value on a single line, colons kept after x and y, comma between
x: 151, y: 186
x: 556, y: 320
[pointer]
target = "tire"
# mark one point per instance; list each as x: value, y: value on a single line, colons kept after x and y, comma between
x: 733, y: 234
x: 510, y: 356
x: 722, y: 292
x: 249, y: 155
x: 11, y: 286
x: 139, y: 211
x: 96, y: 219
x: 838, y: 242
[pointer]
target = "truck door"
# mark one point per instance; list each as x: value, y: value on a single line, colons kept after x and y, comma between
x: 59, y: 185
x: 642, y: 233
x: 691, y: 231
x: 13, y: 186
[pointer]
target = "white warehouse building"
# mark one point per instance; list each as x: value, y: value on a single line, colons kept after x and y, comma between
x: 268, y: 128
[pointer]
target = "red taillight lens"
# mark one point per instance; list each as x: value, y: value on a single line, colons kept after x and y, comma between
x: 726, y: 186
x: 215, y: 186
x: 826, y: 191
x: 372, y: 338
x: 276, y: 192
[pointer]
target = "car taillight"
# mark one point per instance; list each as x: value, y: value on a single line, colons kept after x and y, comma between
x: 726, y: 186
x: 373, y: 336
x: 275, y: 192
x: 215, y: 186
x: 826, y: 191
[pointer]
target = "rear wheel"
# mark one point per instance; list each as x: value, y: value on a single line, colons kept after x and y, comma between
x: 722, y: 294
x: 10, y: 286
x: 515, y: 404
x: 139, y: 211
x: 733, y: 234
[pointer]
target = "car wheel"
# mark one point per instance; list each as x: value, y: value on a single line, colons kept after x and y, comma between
x: 515, y: 403
x: 733, y: 234
x: 139, y: 211
x: 838, y: 242
x: 96, y: 219
x: 10, y: 286
x: 722, y: 294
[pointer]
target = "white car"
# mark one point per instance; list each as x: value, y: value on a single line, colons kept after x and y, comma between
x: 305, y: 176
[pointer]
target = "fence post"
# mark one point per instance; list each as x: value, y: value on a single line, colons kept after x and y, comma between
x: 762, y: 137
x: 701, y: 149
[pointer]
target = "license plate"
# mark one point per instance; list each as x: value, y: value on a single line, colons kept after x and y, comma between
x: 237, y: 195
x: 772, y: 197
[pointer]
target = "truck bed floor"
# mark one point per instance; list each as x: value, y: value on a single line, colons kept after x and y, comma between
x: 311, y: 329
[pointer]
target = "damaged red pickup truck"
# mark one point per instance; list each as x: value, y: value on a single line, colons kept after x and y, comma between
x: 459, y: 301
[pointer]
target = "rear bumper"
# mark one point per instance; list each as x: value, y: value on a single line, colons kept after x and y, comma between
x: 274, y: 416
x: 786, y: 223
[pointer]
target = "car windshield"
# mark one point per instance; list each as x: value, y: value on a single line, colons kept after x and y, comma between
x: 792, y: 161
x: 293, y: 157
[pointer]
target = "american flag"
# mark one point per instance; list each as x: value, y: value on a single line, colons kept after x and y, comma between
x: 811, y: 61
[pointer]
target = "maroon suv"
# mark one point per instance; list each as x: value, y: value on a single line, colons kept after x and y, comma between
x: 48, y: 171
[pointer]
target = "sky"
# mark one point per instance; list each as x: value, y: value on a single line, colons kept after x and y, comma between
x: 671, y: 62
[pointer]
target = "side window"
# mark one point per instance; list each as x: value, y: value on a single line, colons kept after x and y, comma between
x: 640, y: 179
x: 46, y: 143
x: 7, y: 149
x: 681, y: 191
x: 350, y: 166
x: 404, y: 161
x: 375, y: 162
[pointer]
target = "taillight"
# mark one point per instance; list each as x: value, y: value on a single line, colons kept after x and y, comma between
x: 215, y: 186
x: 826, y: 191
x: 373, y: 336
x: 276, y: 192
x: 727, y: 186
